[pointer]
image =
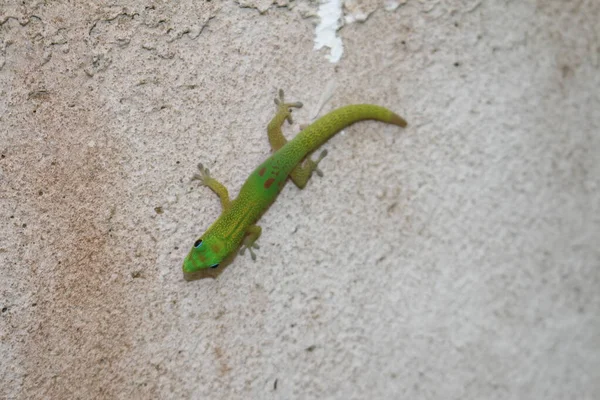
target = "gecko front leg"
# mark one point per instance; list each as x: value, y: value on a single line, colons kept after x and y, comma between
x: 214, y: 185
x: 253, y: 233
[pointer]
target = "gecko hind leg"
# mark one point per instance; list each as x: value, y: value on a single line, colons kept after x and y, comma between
x: 302, y: 173
x: 214, y: 185
x: 286, y: 108
x: 284, y: 113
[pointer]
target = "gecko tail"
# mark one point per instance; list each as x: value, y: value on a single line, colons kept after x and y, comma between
x: 398, y: 120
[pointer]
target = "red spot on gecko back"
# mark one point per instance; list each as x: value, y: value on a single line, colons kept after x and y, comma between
x: 269, y: 182
x: 262, y: 171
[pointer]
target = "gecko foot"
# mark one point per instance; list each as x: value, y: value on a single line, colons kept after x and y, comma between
x: 315, y: 166
x: 286, y: 108
x: 203, y: 176
x: 249, y: 247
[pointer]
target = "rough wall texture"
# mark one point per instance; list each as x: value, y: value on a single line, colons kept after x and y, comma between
x: 456, y: 259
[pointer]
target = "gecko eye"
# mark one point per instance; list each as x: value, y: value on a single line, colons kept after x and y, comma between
x: 197, y: 243
x: 214, y: 266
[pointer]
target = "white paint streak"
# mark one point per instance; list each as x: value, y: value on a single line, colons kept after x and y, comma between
x: 330, y: 13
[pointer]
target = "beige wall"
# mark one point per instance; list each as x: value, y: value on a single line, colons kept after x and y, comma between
x: 455, y: 259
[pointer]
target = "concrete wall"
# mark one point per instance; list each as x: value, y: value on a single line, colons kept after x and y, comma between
x: 456, y: 259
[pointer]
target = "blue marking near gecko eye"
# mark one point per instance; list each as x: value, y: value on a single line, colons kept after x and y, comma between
x: 214, y: 265
x: 197, y: 243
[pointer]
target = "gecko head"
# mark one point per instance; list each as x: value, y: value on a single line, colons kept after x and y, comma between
x: 207, y: 252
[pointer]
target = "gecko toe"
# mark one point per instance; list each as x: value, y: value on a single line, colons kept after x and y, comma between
x: 249, y: 248
x: 203, y: 176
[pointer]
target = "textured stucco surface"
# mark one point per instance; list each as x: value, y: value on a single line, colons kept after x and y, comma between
x: 456, y: 259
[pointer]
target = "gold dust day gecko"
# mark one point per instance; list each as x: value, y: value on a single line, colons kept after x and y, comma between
x: 236, y: 226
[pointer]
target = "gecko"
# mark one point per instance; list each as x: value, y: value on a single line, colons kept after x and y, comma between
x: 236, y: 227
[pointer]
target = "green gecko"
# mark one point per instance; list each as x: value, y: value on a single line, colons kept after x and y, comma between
x: 237, y: 223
